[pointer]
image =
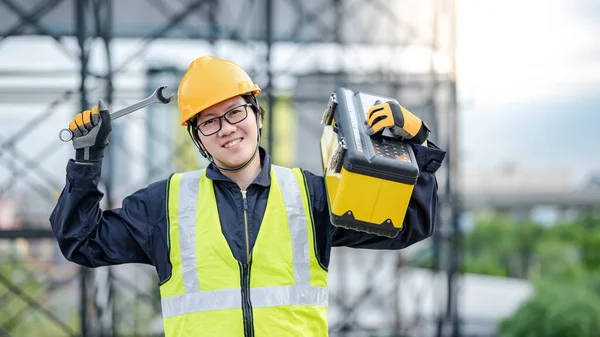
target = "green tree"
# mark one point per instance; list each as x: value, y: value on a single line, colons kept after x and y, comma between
x: 556, y: 310
x: 558, y: 260
x: 502, y: 248
x: 590, y: 243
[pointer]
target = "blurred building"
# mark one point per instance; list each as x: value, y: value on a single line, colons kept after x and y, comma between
x: 513, y: 179
x: 544, y: 195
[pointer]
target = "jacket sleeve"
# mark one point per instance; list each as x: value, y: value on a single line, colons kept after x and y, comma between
x: 419, y: 221
x: 91, y: 237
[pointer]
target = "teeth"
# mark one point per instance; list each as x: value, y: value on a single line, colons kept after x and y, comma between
x: 232, y: 143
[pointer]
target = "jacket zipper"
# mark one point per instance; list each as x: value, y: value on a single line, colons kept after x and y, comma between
x: 246, y: 305
x: 246, y: 227
x: 245, y: 279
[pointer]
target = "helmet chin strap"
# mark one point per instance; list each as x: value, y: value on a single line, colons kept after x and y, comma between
x: 210, y: 158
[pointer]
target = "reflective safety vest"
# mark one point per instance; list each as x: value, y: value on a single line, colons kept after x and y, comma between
x: 282, y: 291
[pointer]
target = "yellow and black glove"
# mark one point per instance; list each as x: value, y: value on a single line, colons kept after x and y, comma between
x: 399, y: 120
x: 91, y: 133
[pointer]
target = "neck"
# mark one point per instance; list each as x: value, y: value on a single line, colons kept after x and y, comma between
x: 245, y: 176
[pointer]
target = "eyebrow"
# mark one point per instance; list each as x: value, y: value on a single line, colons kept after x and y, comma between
x: 211, y: 114
x: 234, y: 105
x: 227, y: 108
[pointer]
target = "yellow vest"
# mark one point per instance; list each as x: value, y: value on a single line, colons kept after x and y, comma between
x: 281, y: 292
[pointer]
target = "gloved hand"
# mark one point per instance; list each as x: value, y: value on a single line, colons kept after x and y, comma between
x: 399, y: 120
x: 91, y: 133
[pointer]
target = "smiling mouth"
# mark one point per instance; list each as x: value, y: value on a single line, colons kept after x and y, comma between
x: 232, y: 143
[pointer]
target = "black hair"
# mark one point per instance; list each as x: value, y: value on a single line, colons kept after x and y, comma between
x: 250, y: 98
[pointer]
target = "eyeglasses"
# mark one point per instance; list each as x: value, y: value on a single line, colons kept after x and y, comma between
x: 233, y: 116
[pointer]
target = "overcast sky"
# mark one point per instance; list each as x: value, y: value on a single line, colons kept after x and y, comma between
x: 529, y: 77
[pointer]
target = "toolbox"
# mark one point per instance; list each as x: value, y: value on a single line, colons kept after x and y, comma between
x: 369, y: 179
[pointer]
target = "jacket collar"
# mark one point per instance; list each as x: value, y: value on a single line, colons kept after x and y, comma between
x: 263, y: 178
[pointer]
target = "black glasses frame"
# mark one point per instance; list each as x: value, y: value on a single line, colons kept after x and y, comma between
x: 220, y: 118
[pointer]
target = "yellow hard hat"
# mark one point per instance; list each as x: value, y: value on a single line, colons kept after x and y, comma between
x: 208, y: 81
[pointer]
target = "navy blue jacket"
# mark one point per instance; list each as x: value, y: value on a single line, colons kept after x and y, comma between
x: 137, y: 232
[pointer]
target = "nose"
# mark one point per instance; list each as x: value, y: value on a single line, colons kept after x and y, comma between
x: 226, y: 128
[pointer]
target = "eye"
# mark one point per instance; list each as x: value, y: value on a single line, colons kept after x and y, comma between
x: 208, y: 122
x: 235, y: 111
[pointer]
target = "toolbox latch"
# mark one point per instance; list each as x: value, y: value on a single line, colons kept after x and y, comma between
x: 338, y: 158
x: 328, y: 114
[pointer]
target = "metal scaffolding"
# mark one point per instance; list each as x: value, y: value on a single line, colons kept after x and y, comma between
x: 265, y: 29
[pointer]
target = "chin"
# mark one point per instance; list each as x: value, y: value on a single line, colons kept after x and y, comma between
x: 231, y: 164
x: 237, y: 160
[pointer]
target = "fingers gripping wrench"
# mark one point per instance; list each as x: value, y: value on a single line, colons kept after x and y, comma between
x: 157, y: 97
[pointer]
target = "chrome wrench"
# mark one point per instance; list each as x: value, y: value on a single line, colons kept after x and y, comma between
x: 157, y: 97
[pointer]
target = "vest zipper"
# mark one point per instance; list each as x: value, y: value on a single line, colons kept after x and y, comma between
x: 245, y: 279
x: 246, y: 226
x: 246, y: 304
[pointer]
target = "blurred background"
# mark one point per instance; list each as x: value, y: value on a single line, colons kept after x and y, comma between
x: 508, y: 87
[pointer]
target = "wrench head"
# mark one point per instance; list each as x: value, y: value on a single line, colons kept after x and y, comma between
x: 65, y: 135
x: 160, y: 96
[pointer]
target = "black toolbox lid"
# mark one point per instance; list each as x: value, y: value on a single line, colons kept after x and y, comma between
x: 382, y: 156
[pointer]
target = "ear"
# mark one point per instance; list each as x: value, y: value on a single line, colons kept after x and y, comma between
x: 199, y: 141
x: 259, y: 117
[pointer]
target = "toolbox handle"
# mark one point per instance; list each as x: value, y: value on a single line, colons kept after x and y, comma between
x: 328, y: 113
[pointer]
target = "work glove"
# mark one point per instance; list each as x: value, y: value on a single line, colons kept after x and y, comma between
x: 399, y: 120
x: 91, y: 133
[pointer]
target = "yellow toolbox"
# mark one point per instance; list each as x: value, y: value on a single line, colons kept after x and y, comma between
x: 369, y: 179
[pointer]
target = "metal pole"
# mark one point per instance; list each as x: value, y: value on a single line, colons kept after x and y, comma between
x: 80, y: 7
x: 106, y: 34
x: 457, y: 242
x: 104, y: 25
x: 270, y: 97
x: 445, y: 235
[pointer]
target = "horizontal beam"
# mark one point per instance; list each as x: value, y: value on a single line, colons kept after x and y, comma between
x: 578, y: 199
x: 26, y: 234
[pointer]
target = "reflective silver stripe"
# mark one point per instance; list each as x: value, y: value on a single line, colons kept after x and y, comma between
x: 201, y: 301
x: 288, y: 295
x: 188, y: 203
x: 232, y: 299
x: 294, y: 208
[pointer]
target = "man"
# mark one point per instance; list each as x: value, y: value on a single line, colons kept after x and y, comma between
x: 242, y: 247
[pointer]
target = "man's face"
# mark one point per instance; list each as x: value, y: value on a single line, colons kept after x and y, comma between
x: 234, y: 144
